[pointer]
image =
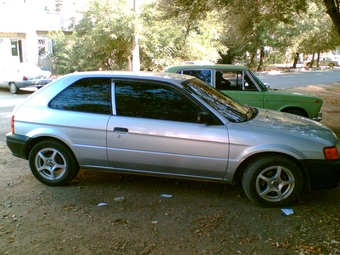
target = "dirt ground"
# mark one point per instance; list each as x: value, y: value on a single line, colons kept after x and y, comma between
x: 108, y: 213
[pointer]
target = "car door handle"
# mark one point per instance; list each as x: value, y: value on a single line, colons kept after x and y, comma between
x: 120, y: 130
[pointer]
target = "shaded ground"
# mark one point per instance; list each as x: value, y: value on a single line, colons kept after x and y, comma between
x: 198, y: 218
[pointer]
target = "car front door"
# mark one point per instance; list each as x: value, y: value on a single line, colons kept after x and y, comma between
x: 242, y: 88
x: 236, y: 84
x: 154, y: 129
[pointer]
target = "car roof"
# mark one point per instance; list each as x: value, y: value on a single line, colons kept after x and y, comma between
x: 134, y: 75
x: 210, y: 66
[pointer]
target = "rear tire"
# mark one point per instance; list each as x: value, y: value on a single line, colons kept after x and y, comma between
x: 272, y: 181
x: 13, y: 88
x: 52, y: 163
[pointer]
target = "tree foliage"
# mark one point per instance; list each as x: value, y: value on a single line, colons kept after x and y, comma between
x: 102, y: 39
x: 168, y: 38
x: 252, y: 32
x: 316, y: 32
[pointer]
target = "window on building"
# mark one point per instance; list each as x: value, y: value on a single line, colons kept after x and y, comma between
x: 14, y: 47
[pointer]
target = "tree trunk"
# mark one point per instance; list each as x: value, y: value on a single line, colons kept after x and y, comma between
x: 260, y: 66
x: 296, y: 58
x: 334, y: 13
x: 251, y: 62
x: 225, y: 58
x: 129, y: 63
x: 312, y: 61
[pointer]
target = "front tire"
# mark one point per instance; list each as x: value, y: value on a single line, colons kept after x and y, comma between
x: 272, y: 181
x: 52, y: 163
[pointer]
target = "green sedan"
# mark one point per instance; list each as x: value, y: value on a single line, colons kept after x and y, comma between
x: 245, y: 87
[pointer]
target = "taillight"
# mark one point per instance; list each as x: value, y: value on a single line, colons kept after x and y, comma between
x: 24, y: 78
x: 12, y: 124
x: 331, y: 153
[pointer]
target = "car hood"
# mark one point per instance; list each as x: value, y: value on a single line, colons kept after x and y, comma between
x: 294, y: 125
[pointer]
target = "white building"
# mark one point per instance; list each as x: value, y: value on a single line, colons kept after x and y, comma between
x: 24, y: 25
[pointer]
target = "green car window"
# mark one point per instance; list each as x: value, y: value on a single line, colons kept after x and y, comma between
x: 203, y: 75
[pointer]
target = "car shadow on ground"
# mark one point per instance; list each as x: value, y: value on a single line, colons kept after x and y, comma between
x: 115, y: 184
x: 23, y: 91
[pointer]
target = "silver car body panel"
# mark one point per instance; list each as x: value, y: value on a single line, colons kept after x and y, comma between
x: 168, y: 146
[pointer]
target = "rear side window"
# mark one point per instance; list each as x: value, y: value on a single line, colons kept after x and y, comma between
x: 91, y: 95
x: 154, y: 101
x: 203, y: 75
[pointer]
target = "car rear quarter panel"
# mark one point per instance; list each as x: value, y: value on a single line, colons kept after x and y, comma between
x: 35, y: 119
x: 87, y: 139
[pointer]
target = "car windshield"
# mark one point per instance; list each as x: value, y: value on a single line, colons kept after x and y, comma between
x: 227, y: 107
x: 258, y: 81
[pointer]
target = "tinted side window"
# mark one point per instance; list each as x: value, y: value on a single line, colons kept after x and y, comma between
x: 86, y: 95
x: 203, y: 75
x: 154, y: 101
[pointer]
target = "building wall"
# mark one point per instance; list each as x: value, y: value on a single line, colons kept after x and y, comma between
x: 21, y: 21
x: 11, y: 47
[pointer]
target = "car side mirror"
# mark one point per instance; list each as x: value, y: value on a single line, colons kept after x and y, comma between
x: 203, y: 117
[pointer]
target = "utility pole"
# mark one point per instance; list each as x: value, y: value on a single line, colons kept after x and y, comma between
x: 135, y: 50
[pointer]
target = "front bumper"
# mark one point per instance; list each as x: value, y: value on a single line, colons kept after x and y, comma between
x: 17, y: 144
x: 319, y: 117
x: 322, y: 174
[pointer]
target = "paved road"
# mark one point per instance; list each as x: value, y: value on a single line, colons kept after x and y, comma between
x: 287, y: 80
x: 7, y: 103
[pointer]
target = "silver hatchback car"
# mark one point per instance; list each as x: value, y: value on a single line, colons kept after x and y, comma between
x: 173, y: 126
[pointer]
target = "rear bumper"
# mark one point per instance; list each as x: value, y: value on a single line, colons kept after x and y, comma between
x: 322, y: 174
x: 17, y: 144
x: 28, y: 83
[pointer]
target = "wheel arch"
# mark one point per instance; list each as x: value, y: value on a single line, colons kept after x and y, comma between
x: 36, y: 140
x: 237, y: 178
x: 292, y: 109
